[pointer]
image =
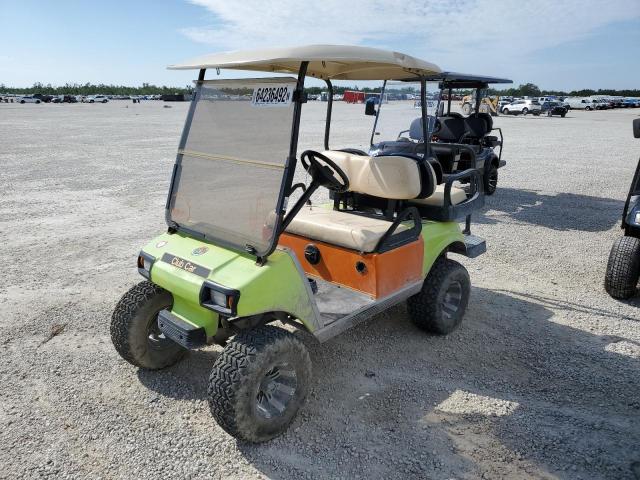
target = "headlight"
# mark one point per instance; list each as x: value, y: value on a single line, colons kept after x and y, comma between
x: 145, y: 262
x: 218, y: 298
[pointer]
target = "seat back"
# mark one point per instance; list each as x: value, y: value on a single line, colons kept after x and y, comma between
x: 475, y: 126
x: 452, y: 128
x: 392, y: 176
x: 415, y: 129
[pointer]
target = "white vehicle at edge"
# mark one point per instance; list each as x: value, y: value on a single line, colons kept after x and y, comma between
x: 28, y: 99
x: 96, y: 99
x: 523, y: 107
x: 580, y: 103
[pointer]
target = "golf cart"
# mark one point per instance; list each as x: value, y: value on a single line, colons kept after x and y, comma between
x: 623, y: 267
x: 456, y: 142
x: 244, y: 248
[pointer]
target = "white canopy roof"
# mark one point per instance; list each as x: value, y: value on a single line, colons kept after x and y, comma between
x: 339, y: 62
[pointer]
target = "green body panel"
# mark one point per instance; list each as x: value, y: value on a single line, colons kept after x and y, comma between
x: 275, y: 286
x: 437, y: 237
x: 278, y: 285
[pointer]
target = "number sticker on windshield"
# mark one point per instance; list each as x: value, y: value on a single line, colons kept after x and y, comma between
x: 272, y: 96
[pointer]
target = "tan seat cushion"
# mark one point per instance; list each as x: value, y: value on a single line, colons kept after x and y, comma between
x: 340, y: 228
x: 458, y: 195
x: 384, y: 176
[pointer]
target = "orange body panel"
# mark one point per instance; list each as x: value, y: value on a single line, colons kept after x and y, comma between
x: 384, y: 273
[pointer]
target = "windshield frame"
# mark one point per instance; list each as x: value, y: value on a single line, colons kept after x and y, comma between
x: 285, y: 183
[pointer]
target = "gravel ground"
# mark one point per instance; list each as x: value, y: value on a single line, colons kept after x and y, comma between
x: 541, y: 381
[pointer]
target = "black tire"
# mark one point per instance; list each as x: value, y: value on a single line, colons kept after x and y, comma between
x: 623, y: 268
x: 429, y: 309
x: 236, y: 397
x: 22, y: 101
x: 563, y: 114
x: 490, y: 179
x: 525, y: 110
x: 134, y: 328
x: 505, y: 111
x: 587, y: 108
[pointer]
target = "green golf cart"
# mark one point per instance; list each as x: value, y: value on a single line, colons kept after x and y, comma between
x: 247, y: 258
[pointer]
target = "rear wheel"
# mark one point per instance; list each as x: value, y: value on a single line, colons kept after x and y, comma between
x: 623, y: 268
x: 587, y: 108
x: 525, y: 111
x: 490, y: 180
x: 505, y: 111
x: 259, y: 382
x: 134, y: 328
x: 442, y: 302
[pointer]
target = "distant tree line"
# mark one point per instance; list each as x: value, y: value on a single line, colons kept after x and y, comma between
x: 528, y: 89
x: 532, y: 90
x: 90, y: 88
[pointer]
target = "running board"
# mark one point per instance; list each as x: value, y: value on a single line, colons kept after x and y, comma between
x: 338, y: 326
x: 474, y: 246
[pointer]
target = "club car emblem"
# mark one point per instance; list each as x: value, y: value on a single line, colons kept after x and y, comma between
x: 199, y: 251
x: 161, y: 243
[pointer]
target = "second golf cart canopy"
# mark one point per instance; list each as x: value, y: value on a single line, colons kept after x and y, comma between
x: 327, y: 62
x: 465, y: 80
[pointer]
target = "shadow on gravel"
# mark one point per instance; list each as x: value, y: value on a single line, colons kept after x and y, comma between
x: 187, y: 380
x: 572, y: 307
x: 564, y: 211
x: 511, y: 394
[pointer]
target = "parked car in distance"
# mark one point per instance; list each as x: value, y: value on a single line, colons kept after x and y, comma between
x: 522, y: 106
x: 601, y: 104
x: 541, y: 100
x: 579, y: 103
x: 28, y: 99
x: 553, y: 108
x: 631, y: 103
x: 96, y: 99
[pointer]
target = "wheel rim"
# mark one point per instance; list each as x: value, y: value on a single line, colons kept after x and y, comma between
x: 493, y: 180
x: 276, y: 391
x: 452, y: 299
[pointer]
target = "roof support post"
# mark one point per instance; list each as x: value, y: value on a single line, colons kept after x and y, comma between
x: 290, y: 166
x: 327, y: 125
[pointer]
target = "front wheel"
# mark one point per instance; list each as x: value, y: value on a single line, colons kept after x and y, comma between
x: 505, y: 111
x: 587, y: 108
x: 623, y: 268
x: 525, y: 111
x: 440, y: 305
x: 134, y: 328
x: 21, y: 101
x: 259, y: 382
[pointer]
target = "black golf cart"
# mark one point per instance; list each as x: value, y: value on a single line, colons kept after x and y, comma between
x: 623, y: 268
x: 454, y: 141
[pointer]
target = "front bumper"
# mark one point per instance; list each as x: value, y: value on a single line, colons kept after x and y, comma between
x: 181, y: 332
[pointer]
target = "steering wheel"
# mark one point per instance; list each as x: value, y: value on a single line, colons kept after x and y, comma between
x: 324, y: 174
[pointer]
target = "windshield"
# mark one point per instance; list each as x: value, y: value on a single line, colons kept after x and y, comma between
x: 231, y: 161
x: 400, y: 115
